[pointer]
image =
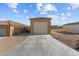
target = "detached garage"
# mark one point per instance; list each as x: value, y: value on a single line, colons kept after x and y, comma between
x: 40, y: 25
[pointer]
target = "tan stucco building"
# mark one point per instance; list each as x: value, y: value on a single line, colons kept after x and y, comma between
x: 40, y: 25
x: 71, y: 27
x: 9, y: 28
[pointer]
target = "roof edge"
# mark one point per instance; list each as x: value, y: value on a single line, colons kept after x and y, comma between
x: 40, y: 18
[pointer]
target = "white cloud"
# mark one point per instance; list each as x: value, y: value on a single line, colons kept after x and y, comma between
x: 50, y: 7
x: 43, y: 13
x: 45, y: 8
x: 4, y: 19
x: 31, y: 5
x: 18, y: 15
x: 54, y: 17
x: 38, y: 6
x: 15, y: 11
x: 63, y: 18
x: 25, y: 11
x: 68, y: 8
x: 28, y: 17
x: 13, y: 5
x: 57, y: 17
x: 62, y: 14
x: 68, y: 14
x: 65, y: 14
x: 74, y: 5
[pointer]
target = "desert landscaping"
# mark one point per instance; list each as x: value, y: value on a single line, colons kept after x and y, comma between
x: 68, y: 38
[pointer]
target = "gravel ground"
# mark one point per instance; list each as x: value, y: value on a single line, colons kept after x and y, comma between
x: 42, y: 45
x: 71, y: 40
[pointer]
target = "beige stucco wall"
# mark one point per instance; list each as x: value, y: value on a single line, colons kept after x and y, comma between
x: 11, y: 30
x: 71, y: 28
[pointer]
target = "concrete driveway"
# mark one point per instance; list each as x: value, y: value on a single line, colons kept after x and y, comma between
x: 42, y: 45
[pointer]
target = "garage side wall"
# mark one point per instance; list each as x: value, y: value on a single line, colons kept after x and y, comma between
x: 49, y: 26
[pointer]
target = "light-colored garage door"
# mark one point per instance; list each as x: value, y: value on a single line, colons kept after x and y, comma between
x: 3, y: 32
x: 40, y: 27
x: 76, y: 30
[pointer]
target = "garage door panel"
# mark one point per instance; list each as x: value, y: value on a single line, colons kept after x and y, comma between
x: 40, y: 28
x: 3, y: 32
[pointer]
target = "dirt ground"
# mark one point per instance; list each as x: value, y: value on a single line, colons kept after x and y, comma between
x: 8, y: 43
x: 69, y: 39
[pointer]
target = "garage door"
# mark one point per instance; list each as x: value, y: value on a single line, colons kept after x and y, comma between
x: 3, y: 32
x: 76, y: 30
x: 40, y: 27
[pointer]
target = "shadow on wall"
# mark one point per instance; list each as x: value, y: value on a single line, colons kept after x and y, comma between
x: 25, y: 32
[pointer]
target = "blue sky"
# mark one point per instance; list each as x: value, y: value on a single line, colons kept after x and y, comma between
x: 61, y: 13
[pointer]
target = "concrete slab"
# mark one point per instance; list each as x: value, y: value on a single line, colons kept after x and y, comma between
x: 42, y: 45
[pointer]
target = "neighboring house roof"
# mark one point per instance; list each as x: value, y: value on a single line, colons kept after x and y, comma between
x: 12, y: 23
x: 3, y: 23
x: 75, y: 23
